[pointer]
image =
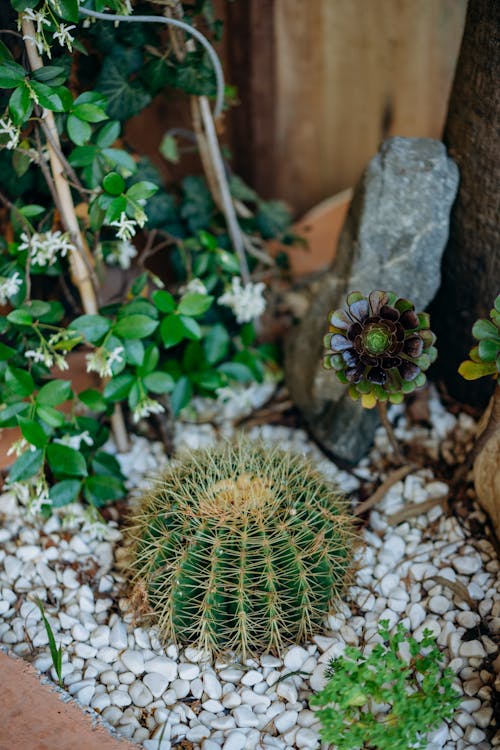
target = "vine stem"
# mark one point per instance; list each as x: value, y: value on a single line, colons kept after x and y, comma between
x: 81, y: 260
x: 382, y: 412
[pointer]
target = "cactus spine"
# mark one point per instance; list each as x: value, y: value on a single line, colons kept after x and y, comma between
x: 241, y: 548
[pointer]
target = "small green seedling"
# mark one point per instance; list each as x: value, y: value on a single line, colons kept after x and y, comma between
x: 484, y: 359
x: 56, y: 653
x: 389, y: 699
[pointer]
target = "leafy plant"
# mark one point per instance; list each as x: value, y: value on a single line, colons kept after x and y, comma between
x: 56, y: 653
x: 485, y: 357
x: 155, y: 348
x: 388, y: 699
x: 241, y: 547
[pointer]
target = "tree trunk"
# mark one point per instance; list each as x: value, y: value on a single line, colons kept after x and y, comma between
x: 471, y: 263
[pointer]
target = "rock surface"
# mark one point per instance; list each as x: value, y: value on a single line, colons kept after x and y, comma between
x: 393, y: 239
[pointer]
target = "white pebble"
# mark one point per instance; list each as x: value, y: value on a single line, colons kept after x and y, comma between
x: 212, y: 685
x: 140, y: 694
x: 118, y: 635
x: 188, y: 671
x: 245, y: 717
x: 133, y: 660
x: 85, y: 695
x: 285, y: 721
x: 100, y: 637
x: 156, y: 682
x: 472, y: 649
x: 163, y: 666
x: 439, y: 604
x: 235, y: 741
x: 252, y: 677
x: 467, y: 564
x: 307, y: 738
x: 295, y: 657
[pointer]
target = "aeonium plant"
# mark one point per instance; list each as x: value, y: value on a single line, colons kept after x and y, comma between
x: 380, y: 347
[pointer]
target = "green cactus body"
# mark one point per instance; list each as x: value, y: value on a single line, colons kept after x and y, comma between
x: 241, y: 548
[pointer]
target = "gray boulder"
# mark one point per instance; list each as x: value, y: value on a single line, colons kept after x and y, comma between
x: 393, y: 239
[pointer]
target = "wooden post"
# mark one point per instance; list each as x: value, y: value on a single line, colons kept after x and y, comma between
x: 471, y: 264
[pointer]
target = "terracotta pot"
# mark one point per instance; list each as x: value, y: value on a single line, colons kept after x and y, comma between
x: 320, y: 227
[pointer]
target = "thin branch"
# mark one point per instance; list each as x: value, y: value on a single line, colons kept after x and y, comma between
x: 381, y: 491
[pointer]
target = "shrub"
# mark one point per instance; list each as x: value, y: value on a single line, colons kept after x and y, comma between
x: 241, y: 547
x: 403, y: 675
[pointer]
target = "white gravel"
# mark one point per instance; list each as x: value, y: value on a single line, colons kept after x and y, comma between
x: 149, y: 693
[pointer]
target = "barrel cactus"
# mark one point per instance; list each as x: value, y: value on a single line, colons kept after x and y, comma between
x: 242, y: 548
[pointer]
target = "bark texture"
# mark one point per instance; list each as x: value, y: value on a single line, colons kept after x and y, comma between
x: 471, y: 263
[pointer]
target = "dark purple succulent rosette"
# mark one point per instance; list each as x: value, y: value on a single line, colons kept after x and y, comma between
x: 379, y: 346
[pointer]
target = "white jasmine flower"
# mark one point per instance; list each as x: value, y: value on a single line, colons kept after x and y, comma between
x: 8, y: 128
x: 75, y: 441
x: 120, y: 254
x: 126, y: 227
x: 146, y: 407
x: 39, y: 496
x: 46, y: 247
x: 9, y: 286
x: 40, y: 355
x: 246, y: 302
x: 38, y: 17
x: 64, y: 37
x: 195, y: 286
x: 20, y: 446
x: 101, y: 360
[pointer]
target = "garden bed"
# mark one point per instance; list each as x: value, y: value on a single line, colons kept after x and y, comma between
x: 433, y: 570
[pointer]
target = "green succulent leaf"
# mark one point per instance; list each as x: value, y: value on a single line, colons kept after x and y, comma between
x: 484, y: 329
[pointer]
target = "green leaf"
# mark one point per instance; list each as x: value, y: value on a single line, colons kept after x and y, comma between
x: 169, y: 149
x: 216, y: 344
x: 50, y: 74
x: 19, y: 381
x: 50, y: 416
x: 474, y: 370
x: 101, y: 490
x: 119, y: 387
x: 20, y: 318
x: 151, y: 357
x: 89, y: 113
x: 181, y: 395
x: 6, y: 352
x: 9, y: 414
x: 483, y: 329
x: 273, y: 218
x: 79, y: 131
x: 163, y: 301
x: 236, y: 371
x: 489, y: 350
x: 108, y: 134
x: 195, y: 304
x: 54, y: 393
x: 33, y: 432
x: 92, y: 399
x: 4, y: 52
x: 191, y: 328
x: 105, y: 464
x: 116, y: 208
x: 92, y: 327
x: 68, y: 9
x: 65, y: 492
x: 141, y: 191
x: 125, y: 97
x: 20, y: 105
x: 11, y: 74
x: 36, y: 307
x: 135, y: 326
x: 47, y: 97
x: 172, y: 331
x: 134, y: 351
x: 66, y: 461
x: 159, y: 382
x: 26, y: 466
x: 119, y: 159
x: 113, y: 183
